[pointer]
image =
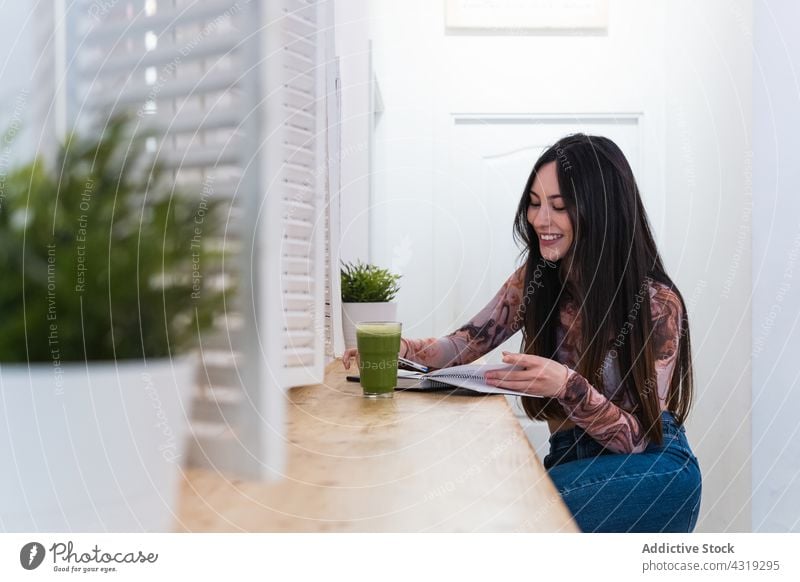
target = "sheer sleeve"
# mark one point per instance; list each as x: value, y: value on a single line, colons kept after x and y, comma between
x: 608, y: 424
x: 616, y: 429
x: 493, y: 325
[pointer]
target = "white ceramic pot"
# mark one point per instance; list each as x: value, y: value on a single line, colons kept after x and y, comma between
x: 352, y: 313
x: 92, y: 448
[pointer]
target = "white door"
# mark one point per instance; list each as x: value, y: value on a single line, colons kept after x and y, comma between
x: 489, y: 160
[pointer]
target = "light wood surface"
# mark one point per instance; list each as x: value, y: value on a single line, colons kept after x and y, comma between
x: 413, y: 463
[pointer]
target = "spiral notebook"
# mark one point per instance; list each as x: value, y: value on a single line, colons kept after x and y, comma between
x: 467, y: 379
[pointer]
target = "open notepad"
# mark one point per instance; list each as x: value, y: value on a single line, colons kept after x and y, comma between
x: 468, y: 379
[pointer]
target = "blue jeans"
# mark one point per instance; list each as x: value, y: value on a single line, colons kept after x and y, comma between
x: 657, y: 490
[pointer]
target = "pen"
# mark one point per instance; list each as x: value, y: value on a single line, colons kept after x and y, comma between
x: 413, y: 365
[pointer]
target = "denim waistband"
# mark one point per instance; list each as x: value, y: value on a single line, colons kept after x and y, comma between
x: 575, y: 443
x: 668, y: 426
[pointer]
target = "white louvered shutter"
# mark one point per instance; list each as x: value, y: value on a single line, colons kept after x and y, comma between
x: 234, y: 91
x: 294, y: 165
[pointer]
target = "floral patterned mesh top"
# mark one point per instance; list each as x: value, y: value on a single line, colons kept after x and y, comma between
x: 603, y: 415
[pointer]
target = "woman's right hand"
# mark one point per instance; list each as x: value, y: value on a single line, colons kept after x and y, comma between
x: 348, y: 355
x: 352, y: 353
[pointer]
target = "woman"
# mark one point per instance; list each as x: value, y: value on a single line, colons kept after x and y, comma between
x: 606, y: 349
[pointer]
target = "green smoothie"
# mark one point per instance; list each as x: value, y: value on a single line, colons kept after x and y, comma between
x: 378, y: 346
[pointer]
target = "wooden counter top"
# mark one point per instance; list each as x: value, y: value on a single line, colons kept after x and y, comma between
x: 413, y: 463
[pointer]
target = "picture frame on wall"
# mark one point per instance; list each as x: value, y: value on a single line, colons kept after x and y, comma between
x: 526, y: 16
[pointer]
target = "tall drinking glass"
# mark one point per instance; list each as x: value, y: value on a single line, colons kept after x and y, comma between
x: 378, y: 347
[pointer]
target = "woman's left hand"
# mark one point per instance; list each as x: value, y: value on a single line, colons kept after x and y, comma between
x: 541, y: 376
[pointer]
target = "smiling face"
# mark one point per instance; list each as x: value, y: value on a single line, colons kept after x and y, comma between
x: 548, y: 215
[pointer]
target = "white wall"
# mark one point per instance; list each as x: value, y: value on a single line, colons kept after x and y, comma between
x: 709, y: 192
x: 776, y: 254
x: 685, y: 67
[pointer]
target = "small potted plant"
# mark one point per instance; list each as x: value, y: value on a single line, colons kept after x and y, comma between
x: 103, y: 296
x: 368, y: 292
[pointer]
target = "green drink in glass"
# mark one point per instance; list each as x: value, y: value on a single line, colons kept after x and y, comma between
x: 378, y: 346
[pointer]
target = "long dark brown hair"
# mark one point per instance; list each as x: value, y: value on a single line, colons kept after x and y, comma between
x: 613, y: 260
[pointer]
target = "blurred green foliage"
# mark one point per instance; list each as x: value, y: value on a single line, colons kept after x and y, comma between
x: 100, y: 258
